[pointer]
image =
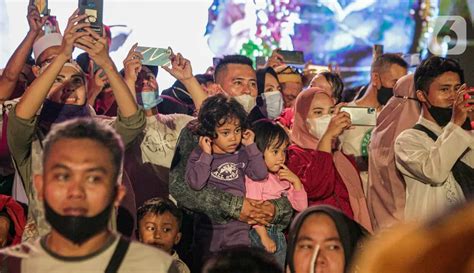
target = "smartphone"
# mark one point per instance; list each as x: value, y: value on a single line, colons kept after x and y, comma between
x: 155, y: 56
x: 50, y: 25
x: 260, y: 62
x: 292, y: 57
x: 94, y: 10
x: 377, y: 51
x: 216, y: 61
x: 42, y: 6
x: 361, y: 116
x: 315, y: 69
x: 470, y: 94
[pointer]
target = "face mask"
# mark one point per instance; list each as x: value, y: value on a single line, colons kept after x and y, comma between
x: 53, y: 112
x: 442, y: 115
x: 318, y: 126
x: 247, y: 101
x: 384, y: 94
x: 78, y: 229
x: 274, y: 103
x: 150, y: 99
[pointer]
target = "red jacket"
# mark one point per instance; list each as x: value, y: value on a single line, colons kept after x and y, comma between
x: 17, y: 217
x: 320, y: 178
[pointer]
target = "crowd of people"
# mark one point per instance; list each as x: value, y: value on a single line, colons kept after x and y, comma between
x: 231, y: 170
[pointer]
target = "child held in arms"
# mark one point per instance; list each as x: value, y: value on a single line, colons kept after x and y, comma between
x: 273, y: 141
x: 225, y: 155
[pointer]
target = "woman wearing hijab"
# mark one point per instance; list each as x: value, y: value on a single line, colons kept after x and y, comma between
x: 329, y: 177
x: 269, y: 98
x: 325, y: 238
x: 386, y: 195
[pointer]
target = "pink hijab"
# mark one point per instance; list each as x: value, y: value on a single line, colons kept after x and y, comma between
x: 301, y: 136
x: 386, y: 195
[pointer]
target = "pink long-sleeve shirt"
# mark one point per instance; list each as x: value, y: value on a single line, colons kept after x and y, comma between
x: 274, y: 188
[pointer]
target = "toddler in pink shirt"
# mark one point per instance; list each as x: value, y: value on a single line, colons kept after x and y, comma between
x: 272, y: 141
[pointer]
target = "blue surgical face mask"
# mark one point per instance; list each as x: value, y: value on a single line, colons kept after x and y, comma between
x: 149, y: 99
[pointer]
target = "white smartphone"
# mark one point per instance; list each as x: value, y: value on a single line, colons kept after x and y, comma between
x: 361, y: 116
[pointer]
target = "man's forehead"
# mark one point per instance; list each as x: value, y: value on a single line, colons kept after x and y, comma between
x: 78, y: 151
x: 448, y: 78
x: 393, y: 70
x: 241, y: 71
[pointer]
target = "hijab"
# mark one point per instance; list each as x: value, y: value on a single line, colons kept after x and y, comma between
x: 301, y: 136
x: 260, y: 111
x: 386, y: 185
x: 350, y: 232
x: 54, y: 112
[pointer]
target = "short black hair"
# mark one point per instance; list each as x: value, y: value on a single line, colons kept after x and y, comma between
x: 204, y: 78
x: 217, y: 110
x: 87, y: 128
x: 432, y: 68
x: 158, y: 206
x: 266, y: 132
x: 153, y: 69
x: 242, y: 259
x: 383, y: 62
x: 336, y: 83
x: 231, y: 59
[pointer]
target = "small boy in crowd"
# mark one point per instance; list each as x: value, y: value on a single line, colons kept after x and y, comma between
x: 159, y: 224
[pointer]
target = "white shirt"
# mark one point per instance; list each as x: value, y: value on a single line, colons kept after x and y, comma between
x: 35, y: 258
x: 161, y: 135
x: 426, y: 167
x: 351, y: 144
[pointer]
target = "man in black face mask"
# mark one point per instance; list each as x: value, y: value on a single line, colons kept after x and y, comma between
x: 385, y: 72
x: 79, y: 188
x: 436, y: 156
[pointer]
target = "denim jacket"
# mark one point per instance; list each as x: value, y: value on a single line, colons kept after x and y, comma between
x: 218, y: 205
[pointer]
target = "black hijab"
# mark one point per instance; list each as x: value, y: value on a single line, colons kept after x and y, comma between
x: 350, y: 232
x: 260, y: 111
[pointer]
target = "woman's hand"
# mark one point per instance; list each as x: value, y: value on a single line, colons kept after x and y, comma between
x: 95, y: 46
x: 71, y: 34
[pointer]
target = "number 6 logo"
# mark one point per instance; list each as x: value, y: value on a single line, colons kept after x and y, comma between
x: 449, y: 36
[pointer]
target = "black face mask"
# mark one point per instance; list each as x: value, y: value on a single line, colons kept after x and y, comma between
x: 53, y: 112
x: 384, y: 94
x: 442, y: 116
x: 78, y: 229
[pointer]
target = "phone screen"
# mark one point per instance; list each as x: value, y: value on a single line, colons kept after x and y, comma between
x: 155, y: 56
x: 292, y: 57
x: 94, y: 10
x: 50, y: 25
x: 42, y: 6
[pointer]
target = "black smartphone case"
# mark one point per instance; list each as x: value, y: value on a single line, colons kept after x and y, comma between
x: 98, y: 6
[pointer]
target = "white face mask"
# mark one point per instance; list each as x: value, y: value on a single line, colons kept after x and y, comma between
x: 247, y: 101
x: 318, y: 126
x: 274, y: 103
